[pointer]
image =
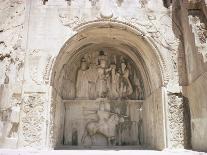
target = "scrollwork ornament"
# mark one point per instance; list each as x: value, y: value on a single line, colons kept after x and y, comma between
x: 33, y: 121
x: 176, y: 124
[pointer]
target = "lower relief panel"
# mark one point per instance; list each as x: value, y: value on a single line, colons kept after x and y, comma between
x: 103, y: 122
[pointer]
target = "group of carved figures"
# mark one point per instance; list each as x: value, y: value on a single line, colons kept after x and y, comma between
x: 100, y: 81
x: 114, y: 127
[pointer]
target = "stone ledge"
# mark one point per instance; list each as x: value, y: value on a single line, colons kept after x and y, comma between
x: 99, y: 152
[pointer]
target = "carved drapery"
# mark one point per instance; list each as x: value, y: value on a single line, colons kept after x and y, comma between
x: 107, y: 75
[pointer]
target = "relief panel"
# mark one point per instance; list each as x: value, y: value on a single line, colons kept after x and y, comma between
x: 103, y: 93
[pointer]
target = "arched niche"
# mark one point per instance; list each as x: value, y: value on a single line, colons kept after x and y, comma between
x: 115, y: 40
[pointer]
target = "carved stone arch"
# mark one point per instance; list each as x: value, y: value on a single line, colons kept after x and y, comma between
x: 122, y: 26
x: 144, y: 54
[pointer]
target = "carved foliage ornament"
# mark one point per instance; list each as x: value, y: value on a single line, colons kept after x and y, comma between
x: 33, y: 121
x: 175, y: 119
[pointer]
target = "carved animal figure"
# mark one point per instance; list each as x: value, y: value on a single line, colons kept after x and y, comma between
x: 107, y: 129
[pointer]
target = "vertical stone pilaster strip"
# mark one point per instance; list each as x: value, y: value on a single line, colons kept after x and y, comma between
x: 32, y: 125
x: 175, y: 116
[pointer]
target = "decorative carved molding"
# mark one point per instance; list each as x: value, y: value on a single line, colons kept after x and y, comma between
x: 48, y: 69
x: 66, y: 20
x: 148, y: 28
x: 52, y: 136
x: 175, y: 121
x: 33, y: 121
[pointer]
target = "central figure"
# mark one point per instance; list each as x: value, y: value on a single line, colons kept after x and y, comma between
x: 103, y: 80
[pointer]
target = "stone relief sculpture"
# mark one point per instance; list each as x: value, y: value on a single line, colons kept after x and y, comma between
x: 126, y: 87
x: 107, y: 86
x: 82, y: 84
x: 175, y: 116
x: 9, y: 124
x: 33, y: 120
x: 103, y: 76
x: 106, y: 79
x: 105, y: 125
x: 112, y: 122
x: 115, y: 80
x: 9, y: 106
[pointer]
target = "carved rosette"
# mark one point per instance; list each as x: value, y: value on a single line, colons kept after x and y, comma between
x: 33, y: 121
x: 175, y: 121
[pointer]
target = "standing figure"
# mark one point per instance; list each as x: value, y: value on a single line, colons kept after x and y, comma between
x: 82, y: 81
x: 114, y: 91
x: 125, y: 86
x: 138, y: 88
x: 103, y: 77
x: 92, y: 76
x: 103, y: 113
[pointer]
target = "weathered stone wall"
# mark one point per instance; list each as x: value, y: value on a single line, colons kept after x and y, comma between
x: 12, y: 52
x: 194, y: 29
x: 153, y: 119
x: 165, y: 38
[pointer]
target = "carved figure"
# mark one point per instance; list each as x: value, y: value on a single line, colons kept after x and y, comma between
x: 82, y: 80
x: 106, y: 127
x: 103, y: 76
x: 125, y: 86
x: 107, y: 76
x: 115, y: 80
x: 138, y: 88
x: 92, y: 76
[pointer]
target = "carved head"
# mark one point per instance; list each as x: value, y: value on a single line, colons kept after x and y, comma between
x: 102, y: 59
x: 101, y: 106
x: 83, y: 64
x: 123, y: 65
x: 113, y: 67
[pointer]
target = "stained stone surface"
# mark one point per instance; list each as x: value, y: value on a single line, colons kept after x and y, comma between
x: 103, y: 74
